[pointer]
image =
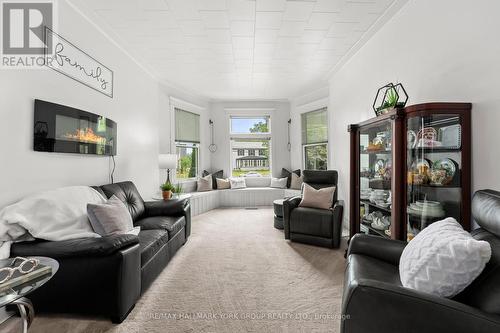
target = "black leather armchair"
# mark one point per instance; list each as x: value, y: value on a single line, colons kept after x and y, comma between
x: 106, y: 276
x: 375, y: 301
x: 321, y: 227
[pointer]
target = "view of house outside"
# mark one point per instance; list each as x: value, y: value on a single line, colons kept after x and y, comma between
x: 250, y: 158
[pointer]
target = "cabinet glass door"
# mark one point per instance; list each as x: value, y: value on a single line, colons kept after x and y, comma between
x: 433, y: 159
x: 375, y: 178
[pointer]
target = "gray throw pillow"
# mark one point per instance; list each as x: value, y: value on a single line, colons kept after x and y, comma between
x: 313, y: 198
x: 205, y: 183
x: 110, y: 218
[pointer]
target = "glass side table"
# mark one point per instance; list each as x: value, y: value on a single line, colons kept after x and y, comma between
x: 17, y: 295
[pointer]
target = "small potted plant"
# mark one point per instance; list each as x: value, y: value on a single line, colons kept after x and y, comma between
x: 167, y: 190
x: 177, y: 189
x: 389, y: 97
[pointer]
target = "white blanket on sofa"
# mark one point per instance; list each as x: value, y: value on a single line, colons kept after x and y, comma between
x: 54, y: 215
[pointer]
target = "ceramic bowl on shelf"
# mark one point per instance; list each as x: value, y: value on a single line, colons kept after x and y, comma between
x: 426, y: 209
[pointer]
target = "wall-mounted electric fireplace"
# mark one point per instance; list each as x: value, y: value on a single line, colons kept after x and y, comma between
x: 62, y: 129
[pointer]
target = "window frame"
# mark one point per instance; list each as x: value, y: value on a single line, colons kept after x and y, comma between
x: 176, y: 103
x: 254, y: 113
x: 305, y: 145
x: 194, y: 145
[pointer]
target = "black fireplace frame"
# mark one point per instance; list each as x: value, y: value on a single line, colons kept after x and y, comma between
x: 44, y: 131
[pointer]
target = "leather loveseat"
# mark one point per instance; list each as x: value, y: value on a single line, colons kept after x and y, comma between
x: 375, y: 301
x: 106, y: 276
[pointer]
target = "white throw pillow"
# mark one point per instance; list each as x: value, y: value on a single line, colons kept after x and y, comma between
x: 443, y: 259
x: 237, y: 182
x: 279, y: 182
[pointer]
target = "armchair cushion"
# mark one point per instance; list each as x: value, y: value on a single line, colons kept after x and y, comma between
x: 80, y: 247
x: 312, y: 221
x: 171, y: 207
x: 173, y: 224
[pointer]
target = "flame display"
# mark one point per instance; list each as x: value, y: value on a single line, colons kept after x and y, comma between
x: 86, y: 135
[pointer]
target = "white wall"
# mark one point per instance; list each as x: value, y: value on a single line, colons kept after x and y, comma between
x: 279, y: 117
x: 135, y: 107
x: 445, y: 50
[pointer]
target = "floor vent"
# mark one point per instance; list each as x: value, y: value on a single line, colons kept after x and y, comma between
x: 251, y: 208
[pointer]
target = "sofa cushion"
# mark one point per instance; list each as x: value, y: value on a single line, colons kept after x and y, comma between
x: 311, y: 221
x: 79, y: 247
x: 170, y: 223
x: 150, y: 242
x: 128, y: 194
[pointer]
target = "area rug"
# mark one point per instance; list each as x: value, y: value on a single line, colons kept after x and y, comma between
x: 237, y: 273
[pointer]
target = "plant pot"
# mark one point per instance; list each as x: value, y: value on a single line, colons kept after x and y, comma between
x: 166, y: 195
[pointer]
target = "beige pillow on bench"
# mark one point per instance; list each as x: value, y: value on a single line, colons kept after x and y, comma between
x: 223, y: 184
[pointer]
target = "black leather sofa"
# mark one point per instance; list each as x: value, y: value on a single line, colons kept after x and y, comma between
x: 375, y: 301
x: 321, y: 227
x: 106, y: 276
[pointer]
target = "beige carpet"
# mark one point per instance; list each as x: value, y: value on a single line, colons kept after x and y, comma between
x: 235, y: 274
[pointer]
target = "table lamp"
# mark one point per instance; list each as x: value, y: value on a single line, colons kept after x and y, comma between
x: 167, y: 161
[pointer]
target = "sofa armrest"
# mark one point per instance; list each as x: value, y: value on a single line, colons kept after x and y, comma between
x: 375, y: 306
x: 289, y: 205
x: 381, y: 248
x: 79, y: 247
x: 172, y: 207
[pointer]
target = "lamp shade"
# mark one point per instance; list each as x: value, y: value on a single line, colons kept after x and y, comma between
x: 167, y: 161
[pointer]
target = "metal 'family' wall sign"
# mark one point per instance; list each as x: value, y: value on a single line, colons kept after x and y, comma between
x: 65, y: 58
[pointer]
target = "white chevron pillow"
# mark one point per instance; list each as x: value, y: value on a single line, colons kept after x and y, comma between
x: 443, y: 259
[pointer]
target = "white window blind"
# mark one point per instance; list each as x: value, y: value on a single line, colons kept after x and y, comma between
x: 187, y: 126
x: 315, y: 127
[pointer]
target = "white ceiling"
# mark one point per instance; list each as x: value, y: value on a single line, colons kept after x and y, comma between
x: 237, y: 49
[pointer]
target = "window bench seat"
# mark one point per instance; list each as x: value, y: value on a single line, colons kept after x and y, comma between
x: 202, y: 202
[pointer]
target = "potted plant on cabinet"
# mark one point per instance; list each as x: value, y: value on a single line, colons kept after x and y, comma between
x: 167, y: 190
x: 389, y: 97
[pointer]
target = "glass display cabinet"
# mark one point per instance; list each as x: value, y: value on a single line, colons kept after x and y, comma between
x: 438, y: 167
x: 409, y: 168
